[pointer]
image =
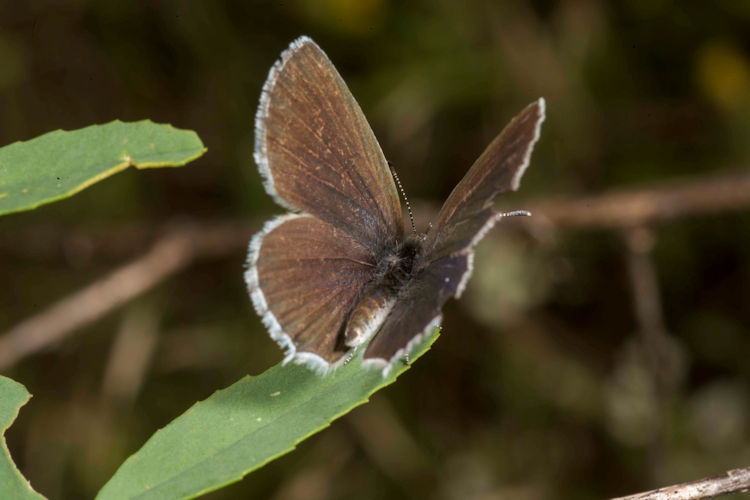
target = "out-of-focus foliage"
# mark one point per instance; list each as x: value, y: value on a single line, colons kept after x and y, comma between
x: 539, y: 386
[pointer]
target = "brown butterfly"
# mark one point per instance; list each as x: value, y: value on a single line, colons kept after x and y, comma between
x: 340, y: 269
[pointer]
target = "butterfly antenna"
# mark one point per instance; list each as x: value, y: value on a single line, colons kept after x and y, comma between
x: 403, y: 194
x: 516, y: 213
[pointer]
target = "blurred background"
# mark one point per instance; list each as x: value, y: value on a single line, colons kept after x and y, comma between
x: 590, y: 357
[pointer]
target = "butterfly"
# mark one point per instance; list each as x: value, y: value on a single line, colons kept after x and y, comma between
x: 339, y: 269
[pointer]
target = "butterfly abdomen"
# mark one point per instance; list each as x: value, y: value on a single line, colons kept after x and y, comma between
x: 368, y: 314
x: 396, y: 269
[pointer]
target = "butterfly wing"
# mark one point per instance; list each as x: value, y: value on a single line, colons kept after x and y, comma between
x: 417, y: 309
x: 468, y: 213
x: 304, y: 276
x: 317, y: 153
x: 466, y: 216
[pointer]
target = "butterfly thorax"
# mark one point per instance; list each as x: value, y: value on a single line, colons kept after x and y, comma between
x: 395, y: 268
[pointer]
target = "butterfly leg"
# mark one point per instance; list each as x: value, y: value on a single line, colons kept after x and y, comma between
x: 349, y: 357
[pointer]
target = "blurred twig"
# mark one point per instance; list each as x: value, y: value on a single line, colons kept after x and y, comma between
x: 323, y: 473
x: 729, y: 482
x: 388, y: 443
x: 174, y: 251
x: 665, y: 358
x: 640, y: 242
x: 637, y: 207
x: 130, y: 355
x: 634, y: 207
x: 180, y: 246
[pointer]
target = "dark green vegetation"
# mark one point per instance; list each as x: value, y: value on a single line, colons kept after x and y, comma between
x: 539, y: 386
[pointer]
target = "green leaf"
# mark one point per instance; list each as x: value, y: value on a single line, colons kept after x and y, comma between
x: 241, y: 428
x: 12, y: 484
x: 58, y: 164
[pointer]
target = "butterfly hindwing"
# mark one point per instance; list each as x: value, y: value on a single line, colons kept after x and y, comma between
x: 304, y: 276
x: 417, y: 309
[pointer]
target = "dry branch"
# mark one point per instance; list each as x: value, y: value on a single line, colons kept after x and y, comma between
x: 729, y: 482
x: 626, y: 208
x: 637, y: 207
x: 173, y: 252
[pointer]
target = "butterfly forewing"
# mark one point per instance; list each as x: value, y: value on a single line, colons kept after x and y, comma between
x: 318, y: 153
x: 468, y: 212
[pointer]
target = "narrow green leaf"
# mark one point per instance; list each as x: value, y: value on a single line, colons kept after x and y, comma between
x: 241, y: 428
x: 58, y: 164
x: 12, y: 484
